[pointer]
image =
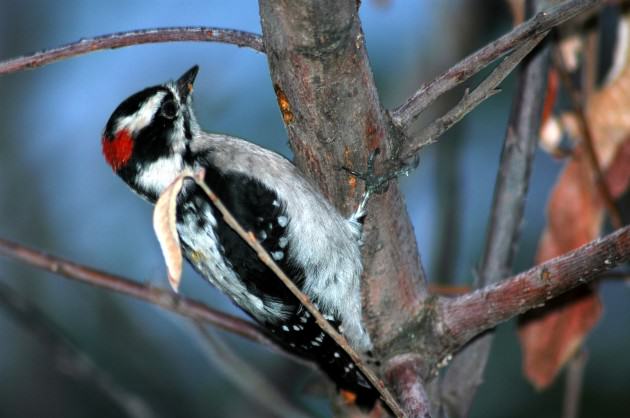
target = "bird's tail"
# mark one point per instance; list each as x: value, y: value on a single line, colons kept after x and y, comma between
x: 352, y: 384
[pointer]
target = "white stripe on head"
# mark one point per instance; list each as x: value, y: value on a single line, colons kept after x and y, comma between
x: 140, y: 119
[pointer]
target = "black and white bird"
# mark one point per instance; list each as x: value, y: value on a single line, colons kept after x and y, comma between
x: 153, y: 136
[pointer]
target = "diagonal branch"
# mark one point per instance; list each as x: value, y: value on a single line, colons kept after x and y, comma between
x: 135, y: 37
x: 542, y: 22
x: 589, y: 142
x: 166, y: 299
x: 471, y: 100
x: 264, y: 256
x: 69, y: 359
x: 241, y: 374
x: 469, y: 315
x: 506, y: 216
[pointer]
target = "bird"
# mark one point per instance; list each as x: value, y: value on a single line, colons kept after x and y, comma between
x: 153, y: 136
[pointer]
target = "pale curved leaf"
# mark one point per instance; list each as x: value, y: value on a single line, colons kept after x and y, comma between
x: 165, y: 226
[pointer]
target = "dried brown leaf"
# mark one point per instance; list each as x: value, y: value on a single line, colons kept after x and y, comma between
x: 551, y: 335
x: 618, y: 174
x: 165, y: 226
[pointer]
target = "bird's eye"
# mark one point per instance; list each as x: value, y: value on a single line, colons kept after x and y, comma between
x: 169, y: 109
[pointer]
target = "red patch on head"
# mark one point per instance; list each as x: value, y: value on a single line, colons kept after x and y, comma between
x: 118, y: 150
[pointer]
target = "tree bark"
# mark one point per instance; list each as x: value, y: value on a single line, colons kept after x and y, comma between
x: 325, y: 88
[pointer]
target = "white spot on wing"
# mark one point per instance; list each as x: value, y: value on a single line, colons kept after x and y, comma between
x: 256, y: 302
x: 216, y: 269
x: 283, y: 221
x: 331, y: 256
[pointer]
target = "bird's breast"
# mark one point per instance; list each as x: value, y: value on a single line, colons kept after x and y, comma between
x: 225, y: 260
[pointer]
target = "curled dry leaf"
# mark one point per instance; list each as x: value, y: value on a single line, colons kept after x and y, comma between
x: 550, y: 335
x: 165, y: 226
x: 575, y: 213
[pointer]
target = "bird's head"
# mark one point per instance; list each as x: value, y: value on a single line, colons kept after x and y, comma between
x: 147, y: 137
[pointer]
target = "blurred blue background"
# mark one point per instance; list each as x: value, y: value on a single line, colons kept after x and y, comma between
x: 57, y: 194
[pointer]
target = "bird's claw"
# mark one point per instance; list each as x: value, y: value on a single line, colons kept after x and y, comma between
x: 375, y: 184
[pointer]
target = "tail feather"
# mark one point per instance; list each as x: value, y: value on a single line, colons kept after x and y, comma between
x: 301, y: 335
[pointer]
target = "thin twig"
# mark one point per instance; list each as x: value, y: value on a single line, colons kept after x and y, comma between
x: 542, y: 22
x: 134, y: 37
x: 589, y: 144
x: 164, y: 298
x: 264, y: 256
x: 506, y: 216
x: 245, y: 377
x: 466, y: 316
x: 486, y: 89
x: 591, y: 59
x: 574, y: 380
x: 68, y: 358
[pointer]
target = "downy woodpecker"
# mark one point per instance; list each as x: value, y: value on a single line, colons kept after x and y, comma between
x: 153, y: 136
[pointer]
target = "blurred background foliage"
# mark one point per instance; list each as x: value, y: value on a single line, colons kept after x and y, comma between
x: 57, y: 194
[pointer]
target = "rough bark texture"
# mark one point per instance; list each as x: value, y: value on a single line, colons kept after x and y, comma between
x: 330, y: 106
x: 463, y: 319
x: 404, y: 374
x: 326, y: 92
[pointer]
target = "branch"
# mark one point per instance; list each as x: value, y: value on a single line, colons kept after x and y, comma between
x: 589, y: 143
x: 574, y: 382
x: 165, y: 299
x: 325, y: 87
x: 404, y: 374
x: 542, y: 22
x: 246, y: 378
x: 264, y: 256
x: 330, y: 106
x: 506, y: 217
x: 69, y: 359
x: 467, y: 316
x: 135, y: 37
x: 483, y: 91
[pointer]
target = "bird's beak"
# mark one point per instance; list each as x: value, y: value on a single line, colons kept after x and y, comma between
x: 185, y: 83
